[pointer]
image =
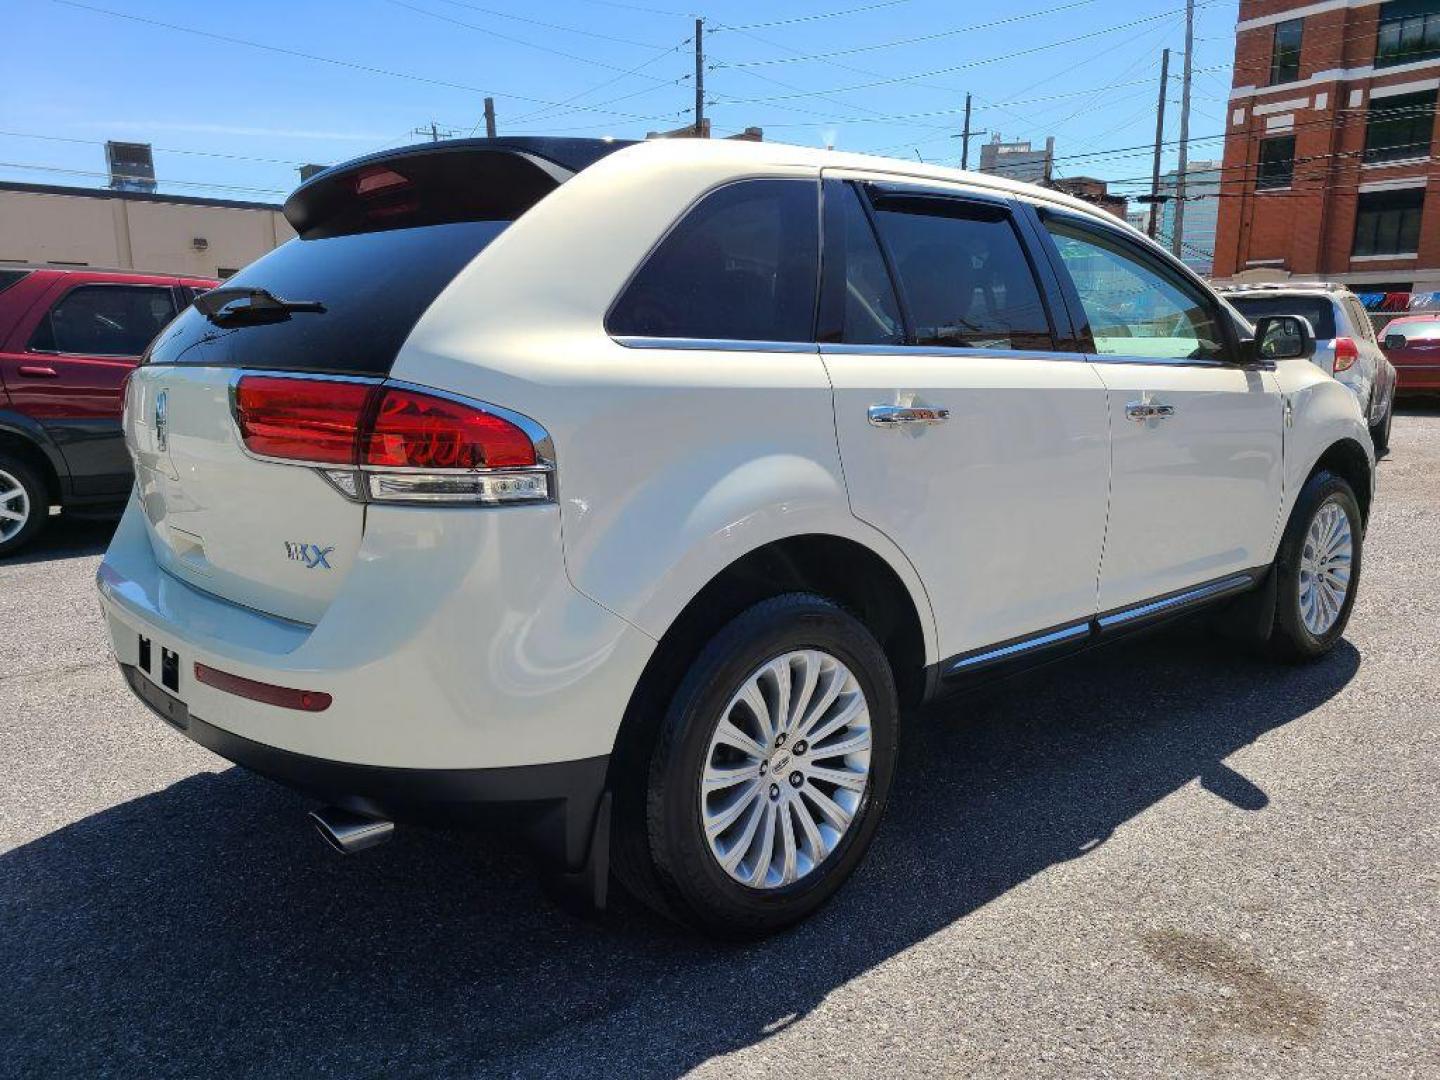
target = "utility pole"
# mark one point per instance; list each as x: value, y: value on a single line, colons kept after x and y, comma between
x: 490, y: 118
x: 699, y: 78
x: 965, y: 137
x: 1175, y: 241
x: 1154, y: 223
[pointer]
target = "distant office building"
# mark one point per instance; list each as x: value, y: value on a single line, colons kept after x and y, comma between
x: 1018, y: 160
x: 1094, y: 191
x: 1140, y: 219
x: 1202, y: 209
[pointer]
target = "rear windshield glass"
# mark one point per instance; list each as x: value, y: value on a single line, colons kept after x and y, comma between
x: 374, y: 286
x: 1317, y: 309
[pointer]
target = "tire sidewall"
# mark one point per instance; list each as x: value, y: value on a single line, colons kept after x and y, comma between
x: 682, y: 854
x: 1323, y: 487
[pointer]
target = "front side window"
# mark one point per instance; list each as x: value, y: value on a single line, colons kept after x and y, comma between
x: 741, y: 266
x: 1136, y: 306
x: 1277, y: 163
x: 1399, y: 127
x: 105, y: 320
x: 964, y: 275
x: 1285, y: 53
x: 1409, y: 31
x: 1388, y: 222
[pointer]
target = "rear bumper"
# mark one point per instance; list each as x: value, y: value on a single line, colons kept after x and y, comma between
x: 1417, y: 379
x: 556, y: 803
x: 462, y: 647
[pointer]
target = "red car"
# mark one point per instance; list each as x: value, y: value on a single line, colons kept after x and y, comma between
x: 68, y: 338
x: 1412, y: 342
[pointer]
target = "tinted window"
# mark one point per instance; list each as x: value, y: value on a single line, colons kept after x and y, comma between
x: 1285, y: 55
x: 10, y: 277
x: 1399, y: 127
x: 375, y: 286
x: 1136, y: 305
x: 1388, y: 222
x: 964, y: 276
x: 741, y: 266
x: 105, y: 320
x: 871, y: 315
x: 1276, y: 168
x: 1409, y: 31
x: 1316, y: 309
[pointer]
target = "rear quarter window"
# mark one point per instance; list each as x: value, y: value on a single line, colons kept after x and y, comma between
x: 742, y: 265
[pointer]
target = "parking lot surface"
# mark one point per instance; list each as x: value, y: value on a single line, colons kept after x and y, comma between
x: 1164, y: 858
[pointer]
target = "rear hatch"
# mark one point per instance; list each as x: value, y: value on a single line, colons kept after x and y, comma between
x: 378, y: 240
x: 1318, y: 310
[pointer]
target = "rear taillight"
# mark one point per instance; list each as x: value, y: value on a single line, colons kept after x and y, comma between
x: 394, y: 443
x: 1346, y: 353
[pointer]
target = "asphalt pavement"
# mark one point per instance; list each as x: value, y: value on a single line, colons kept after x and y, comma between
x: 1166, y: 858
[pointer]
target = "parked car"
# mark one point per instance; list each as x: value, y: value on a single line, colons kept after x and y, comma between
x: 1346, y: 345
x: 1412, y: 343
x: 639, y: 487
x: 68, y: 339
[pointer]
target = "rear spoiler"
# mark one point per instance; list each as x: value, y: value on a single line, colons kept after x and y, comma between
x: 438, y: 182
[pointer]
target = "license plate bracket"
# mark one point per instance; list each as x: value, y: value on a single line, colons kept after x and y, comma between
x: 170, y: 709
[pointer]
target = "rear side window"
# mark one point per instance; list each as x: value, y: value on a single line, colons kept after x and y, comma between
x: 10, y: 277
x: 963, y: 274
x: 870, y: 313
x: 105, y: 320
x: 741, y: 266
x: 1317, y: 310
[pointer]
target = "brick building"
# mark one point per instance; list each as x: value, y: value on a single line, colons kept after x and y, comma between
x: 1329, y: 168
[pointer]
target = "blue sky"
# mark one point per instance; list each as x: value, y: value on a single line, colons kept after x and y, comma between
x: 240, y: 119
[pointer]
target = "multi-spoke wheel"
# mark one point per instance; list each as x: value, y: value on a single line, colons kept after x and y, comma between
x: 23, y: 503
x: 786, y: 769
x: 769, y: 773
x: 1318, y: 568
x: 1325, y: 567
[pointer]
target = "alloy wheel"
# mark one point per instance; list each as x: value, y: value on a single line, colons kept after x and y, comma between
x: 1325, y: 563
x: 786, y: 769
x: 14, y: 506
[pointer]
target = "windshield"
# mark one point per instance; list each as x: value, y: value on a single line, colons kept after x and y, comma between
x: 1318, y: 310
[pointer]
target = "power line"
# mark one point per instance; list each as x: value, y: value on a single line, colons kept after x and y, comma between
x: 335, y: 61
x: 821, y: 16
x: 552, y: 26
x: 802, y: 59
x: 178, y: 183
x: 157, y: 149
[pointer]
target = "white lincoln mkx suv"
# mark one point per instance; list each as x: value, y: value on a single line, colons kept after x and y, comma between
x: 635, y: 490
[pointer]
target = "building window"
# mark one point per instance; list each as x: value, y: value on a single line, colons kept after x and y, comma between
x: 1409, y: 31
x: 1400, y: 127
x: 1388, y: 222
x: 1285, y: 55
x: 1277, y: 163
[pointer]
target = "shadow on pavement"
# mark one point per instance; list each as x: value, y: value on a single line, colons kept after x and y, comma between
x: 205, y: 929
x: 63, y: 538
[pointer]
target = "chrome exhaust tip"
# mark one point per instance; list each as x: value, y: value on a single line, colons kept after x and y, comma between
x: 348, y: 832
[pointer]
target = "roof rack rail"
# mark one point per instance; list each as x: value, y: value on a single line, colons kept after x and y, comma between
x: 1285, y: 286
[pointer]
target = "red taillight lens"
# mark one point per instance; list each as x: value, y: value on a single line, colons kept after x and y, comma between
x: 324, y: 422
x: 301, y: 419
x: 417, y: 431
x: 283, y: 696
x: 1346, y: 353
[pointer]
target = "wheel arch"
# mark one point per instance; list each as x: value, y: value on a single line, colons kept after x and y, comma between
x: 21, y: 436
x: 840, y: 568
x: 1347, y: 459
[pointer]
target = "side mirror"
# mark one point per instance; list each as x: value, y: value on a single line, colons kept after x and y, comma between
x: 1283, y: 337
x: 1394, y: 341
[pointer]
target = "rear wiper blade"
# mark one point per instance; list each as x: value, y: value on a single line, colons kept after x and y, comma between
x: 242, y: 306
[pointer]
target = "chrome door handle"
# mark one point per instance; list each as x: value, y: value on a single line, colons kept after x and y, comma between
x: 1140, y: 411
x: 884, y: 416
x: 38, y: 371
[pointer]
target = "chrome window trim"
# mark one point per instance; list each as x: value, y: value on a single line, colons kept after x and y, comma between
x: 634, y: 341
x: 958, y: 352
x: 1014, y: 649
x: 1234, y: 583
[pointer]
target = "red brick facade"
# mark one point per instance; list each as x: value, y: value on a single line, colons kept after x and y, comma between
x: 1307, y: 229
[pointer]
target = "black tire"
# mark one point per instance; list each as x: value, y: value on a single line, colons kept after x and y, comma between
x: 1380, y: 433
x: 677, y: 873
x: 36, y: 501
x: 1290, y: 638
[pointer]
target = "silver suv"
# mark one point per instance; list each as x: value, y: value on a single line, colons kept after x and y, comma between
x: 1345, y: 342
